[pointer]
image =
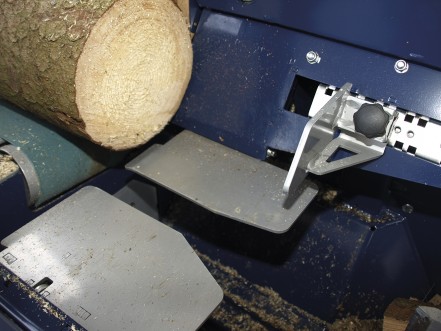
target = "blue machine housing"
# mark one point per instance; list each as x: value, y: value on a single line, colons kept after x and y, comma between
x: 350, y: 254
x: 407, y: 29
x: 244, y: 70
x: 246, y: 57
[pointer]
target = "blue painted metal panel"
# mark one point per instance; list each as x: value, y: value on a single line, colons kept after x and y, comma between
x: 348, y: 256
x: 389, y: 263
x: 243, y: 72
x: 407, y: 29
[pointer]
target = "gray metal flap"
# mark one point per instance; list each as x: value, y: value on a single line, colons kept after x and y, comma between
x: 224, y: 181
x: 111, y: 267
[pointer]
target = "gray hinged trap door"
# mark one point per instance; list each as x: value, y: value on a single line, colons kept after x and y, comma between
x: 225, y: 181
x: 111, y: 267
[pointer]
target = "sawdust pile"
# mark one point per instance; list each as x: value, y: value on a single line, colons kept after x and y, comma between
x: 248, y: 306
x: 352, y: 323
x: 7, y: 166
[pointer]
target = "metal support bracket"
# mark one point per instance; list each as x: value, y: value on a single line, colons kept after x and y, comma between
x: 332, y: 129
x: 411, y: 133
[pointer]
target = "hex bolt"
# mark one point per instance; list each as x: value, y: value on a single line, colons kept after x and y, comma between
x: 313, y: 57
x: 401, y: 66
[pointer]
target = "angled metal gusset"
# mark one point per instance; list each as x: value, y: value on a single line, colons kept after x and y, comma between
x: 343, y: 123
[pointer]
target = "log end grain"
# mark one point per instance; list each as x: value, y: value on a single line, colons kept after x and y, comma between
x: 133, y: 72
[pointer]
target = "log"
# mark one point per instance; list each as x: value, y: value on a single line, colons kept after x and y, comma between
x: 113, y: 71
x: 184, y: 6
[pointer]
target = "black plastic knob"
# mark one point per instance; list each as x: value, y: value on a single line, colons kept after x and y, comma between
x: 371, y: 120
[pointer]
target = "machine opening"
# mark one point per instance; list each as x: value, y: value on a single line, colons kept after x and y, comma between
x: 301, y: 95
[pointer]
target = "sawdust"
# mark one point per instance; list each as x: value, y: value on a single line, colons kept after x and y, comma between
x: 330, y: 197
x: 248, y: 306
x: 262, y: 307
x: 34, y: 296
x: 7, y: 166
x: 352, y: 323
x: 386, y: 216
x: 436, y: 300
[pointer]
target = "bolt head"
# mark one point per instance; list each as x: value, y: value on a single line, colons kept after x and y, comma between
x: 312, y: 57
x: 401, y: 66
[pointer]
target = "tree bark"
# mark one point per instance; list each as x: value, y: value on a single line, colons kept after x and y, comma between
x: 113, y: 71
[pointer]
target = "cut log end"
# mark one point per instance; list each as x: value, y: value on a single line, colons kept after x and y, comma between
x: 133, y: 72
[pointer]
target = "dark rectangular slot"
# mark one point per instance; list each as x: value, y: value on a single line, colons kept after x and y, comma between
x: 329, y: 91
x: 398, y: 144
x: 411, y: 150
x: 281, y: 159
x: 370, y: 99
x: 422, y: 123
x: 301, y: 95
x: 43, y: 284
x: 409, y: 118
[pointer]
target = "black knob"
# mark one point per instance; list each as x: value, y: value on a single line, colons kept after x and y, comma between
x: 371, y: 120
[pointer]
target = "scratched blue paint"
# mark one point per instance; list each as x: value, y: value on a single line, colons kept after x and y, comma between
x: 243, y: 72
x: 406, y: 29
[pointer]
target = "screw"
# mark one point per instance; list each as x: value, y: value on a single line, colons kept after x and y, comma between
x: 313, y: 57
x: 270, y: 153
x: 401, y: 66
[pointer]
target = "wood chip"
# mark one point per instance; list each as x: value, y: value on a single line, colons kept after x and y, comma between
x: 7, y: 166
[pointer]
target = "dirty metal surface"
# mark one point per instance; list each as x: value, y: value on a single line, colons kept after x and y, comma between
x: 58, y: 160
x: 244, y: 71
x: 35, y: 313
x: 112, y: 267
x: 393, y: 27
x: 345, y: 256
x: 224, y: 181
